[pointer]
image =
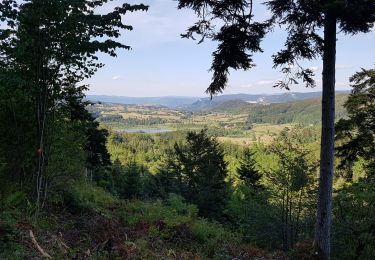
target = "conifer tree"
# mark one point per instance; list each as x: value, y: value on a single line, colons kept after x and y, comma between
x: 199, y: 170
x: 239, y: 36
x: 131, y: 181
x: 247, y: 171
x: 356, y: 133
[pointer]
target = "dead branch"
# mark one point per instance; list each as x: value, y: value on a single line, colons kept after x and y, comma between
x: 40, y: 249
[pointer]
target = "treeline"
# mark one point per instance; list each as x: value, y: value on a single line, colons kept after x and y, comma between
x: 132, y: 121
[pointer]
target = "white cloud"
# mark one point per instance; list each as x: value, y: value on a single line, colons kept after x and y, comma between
x: 314, y: 68
x: 246, y: 86
x: 265, y: 82
x: 117, y: 77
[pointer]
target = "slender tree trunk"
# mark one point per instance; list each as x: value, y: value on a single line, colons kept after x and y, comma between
x: 299, y: 210
x: 283, y: 221
x: 286, y: 245
x: 290, y: 221
x: 324, y: 211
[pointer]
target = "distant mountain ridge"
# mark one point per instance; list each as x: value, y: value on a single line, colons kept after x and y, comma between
x: 196, y: 103
x: 170, y: 101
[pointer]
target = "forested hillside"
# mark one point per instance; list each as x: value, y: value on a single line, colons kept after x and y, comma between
x: 303, y: 112
x: 82, y: 180
x: 286, y: 97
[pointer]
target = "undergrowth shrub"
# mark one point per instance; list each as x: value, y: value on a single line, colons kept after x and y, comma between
x: 135, y: 211
x: 178, y: 204
x: 11, y: 205
x: 85, y: 196
x: 177, y: 224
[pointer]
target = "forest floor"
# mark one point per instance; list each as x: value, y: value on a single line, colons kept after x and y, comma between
x: 126, y: 230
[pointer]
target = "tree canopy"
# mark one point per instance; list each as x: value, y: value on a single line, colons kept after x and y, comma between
x: 356, y: 133
x: 233, y: 25
x: 47, y: 48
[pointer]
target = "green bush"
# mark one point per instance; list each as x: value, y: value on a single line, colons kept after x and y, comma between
x: 178, y: 204
x: 177, y: 225
x: 252, y: 215
x: 135, y: 211
x: 11, y: 205
x: 212, y: 239
x: 85, y: 196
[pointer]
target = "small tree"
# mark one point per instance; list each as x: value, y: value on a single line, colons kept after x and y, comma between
x: 247, y: 171
x: 199, y: 171
x: 127, y: 179
x: 292, y: 183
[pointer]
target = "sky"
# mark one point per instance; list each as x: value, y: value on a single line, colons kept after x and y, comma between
x: 161, y: 63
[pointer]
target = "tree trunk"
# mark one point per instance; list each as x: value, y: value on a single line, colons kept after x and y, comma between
x: 324, y: 211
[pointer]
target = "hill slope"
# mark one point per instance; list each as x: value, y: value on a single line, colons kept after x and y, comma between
x: 305, y: 112
x: 207, y: 103
x: 163, y: 101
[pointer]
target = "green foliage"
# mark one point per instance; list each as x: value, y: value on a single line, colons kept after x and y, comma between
x: 356, y: 134
x: 177, y: 221
x: 127, y: 182
x: 247, y: 171
x: 47, y: 48
x: 252, y: 215
x: 178, y: 204
x: 174, y: 210
x: 197, y: 170
x: 144, y: 149
x: 354, y: 223
x: 12, y: 208
x: 136, y: 211
x: 85, y: 196
x: 293, y: 185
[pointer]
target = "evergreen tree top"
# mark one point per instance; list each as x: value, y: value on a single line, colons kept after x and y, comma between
x: 233, y: 25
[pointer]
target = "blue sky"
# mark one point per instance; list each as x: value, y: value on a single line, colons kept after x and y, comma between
x: 162, y: 64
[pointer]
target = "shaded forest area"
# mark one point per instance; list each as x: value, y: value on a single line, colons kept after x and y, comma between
x: 72, y: 189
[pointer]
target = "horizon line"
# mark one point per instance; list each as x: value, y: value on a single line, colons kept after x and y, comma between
x: 208, y: 96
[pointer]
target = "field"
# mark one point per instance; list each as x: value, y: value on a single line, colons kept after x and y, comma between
x: 228, y: 127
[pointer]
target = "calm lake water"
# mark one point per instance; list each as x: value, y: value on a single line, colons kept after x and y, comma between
x: 146, y: 130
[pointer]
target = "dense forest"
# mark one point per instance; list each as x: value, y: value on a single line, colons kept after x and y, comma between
x: 73, y: 186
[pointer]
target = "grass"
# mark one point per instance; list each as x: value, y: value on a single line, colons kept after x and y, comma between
x: 228, y: 127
